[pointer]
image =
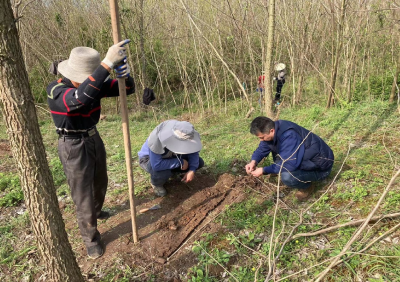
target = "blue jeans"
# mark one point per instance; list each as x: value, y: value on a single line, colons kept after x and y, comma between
x: 301, y: 179
x: 158, y: 178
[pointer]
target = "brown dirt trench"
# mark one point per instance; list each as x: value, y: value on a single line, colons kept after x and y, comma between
x: 166, y: 234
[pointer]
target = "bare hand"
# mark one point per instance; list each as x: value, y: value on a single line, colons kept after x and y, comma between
x: 250, y: 167
x: 189, y: 176
x: 258, y: 172
x: 185, y: 165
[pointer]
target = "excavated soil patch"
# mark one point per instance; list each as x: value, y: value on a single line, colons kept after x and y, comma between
x: 166, y: 234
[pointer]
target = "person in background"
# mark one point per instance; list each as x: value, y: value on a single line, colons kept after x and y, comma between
x: 74, y: 102
x: 260, y: 88
x: 280, y: 81
x: 260, y: 83
x: 299, y: 155
x: 172, y: 147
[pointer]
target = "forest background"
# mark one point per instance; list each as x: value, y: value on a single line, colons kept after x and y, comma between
x: 178, y: 47
x: 203, y: 58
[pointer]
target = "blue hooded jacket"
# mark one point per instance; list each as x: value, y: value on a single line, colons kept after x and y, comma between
x: 312, y: 154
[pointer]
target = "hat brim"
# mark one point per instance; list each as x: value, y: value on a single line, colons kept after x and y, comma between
x: 72, y: 74
x: 280, y: 67
x: 176, y: 145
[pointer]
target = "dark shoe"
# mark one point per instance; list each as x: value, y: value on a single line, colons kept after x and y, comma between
x: 104, y: 215
x: 303, y: 194
x: 159, y: 190
x: 95, y: 251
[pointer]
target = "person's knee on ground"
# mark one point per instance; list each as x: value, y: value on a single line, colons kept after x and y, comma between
x: 289, y: 180
x: 304, y: 189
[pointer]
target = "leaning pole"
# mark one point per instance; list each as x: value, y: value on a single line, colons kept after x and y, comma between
x: 125, y: 121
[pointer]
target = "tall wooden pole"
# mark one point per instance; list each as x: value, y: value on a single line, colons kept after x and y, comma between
x: 125, y: 120
x: 268, y: 61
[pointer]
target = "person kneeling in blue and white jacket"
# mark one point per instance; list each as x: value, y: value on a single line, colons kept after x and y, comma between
x: 173, y: 146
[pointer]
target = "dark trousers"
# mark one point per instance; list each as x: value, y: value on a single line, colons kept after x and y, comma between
x: 301, y: 179
x: 158, y: 178
x: 84, y: 162
x: 279, y: 86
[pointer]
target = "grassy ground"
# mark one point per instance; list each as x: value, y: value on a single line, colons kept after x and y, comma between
x: 364, y: 138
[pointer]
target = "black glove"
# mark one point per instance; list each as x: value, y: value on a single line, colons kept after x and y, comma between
x: 148, y: 96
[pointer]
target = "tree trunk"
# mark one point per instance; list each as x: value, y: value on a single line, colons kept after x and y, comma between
x: 395, y: 90
x: 142, y: 51
x: 268, y: 61
x: 19, y: 113
x: 339, y: 44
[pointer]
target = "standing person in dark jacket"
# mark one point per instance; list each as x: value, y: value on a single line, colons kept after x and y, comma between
x: 307, y: 157
x: 280, y: 81
x: 173, y: 146
x: 74, y: 101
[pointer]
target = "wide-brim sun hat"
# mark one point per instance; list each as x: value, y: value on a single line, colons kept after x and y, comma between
x: 82, y: 62
x: 179, y: 137
x: 280, y: 66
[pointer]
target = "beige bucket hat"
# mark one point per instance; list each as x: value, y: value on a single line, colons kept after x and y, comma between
x: 280, y: 66
x: 82, y: 62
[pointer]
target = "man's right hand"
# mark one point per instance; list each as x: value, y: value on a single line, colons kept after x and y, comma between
x: 185, y: 165
x: 116, y: 53
x: 251, y: 166
x: 123, y: 70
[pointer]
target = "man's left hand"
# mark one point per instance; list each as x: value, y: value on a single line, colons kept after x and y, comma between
x: 258, y: 172
x: 189, y: 176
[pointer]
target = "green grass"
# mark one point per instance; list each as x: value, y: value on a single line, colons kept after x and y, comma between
x: 10, y: 190
x: 367, y: 134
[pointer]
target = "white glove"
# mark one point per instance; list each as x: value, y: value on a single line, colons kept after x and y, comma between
x: 123, y: 70
x: 116, y: 53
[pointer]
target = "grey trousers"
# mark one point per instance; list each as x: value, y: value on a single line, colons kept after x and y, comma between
x: 158, y: 178
x: 84, y: 163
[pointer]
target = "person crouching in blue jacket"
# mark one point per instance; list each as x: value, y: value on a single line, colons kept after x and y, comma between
x: 303, y: 156
x: 172, y: 147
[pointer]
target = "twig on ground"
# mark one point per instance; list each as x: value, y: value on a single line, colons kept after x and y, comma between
x: 276, y: 243
x: 260, y: 263
x: 348, y: 224
x: 270, y: 253
x: 254, y: 251
x: 371, y: 255
x: 304, y: 270
x: 271, y: 264
x: 384, y: 145
x: 304, y: 211
x: 269, y: 196
x: 357, y: 234
x: 387, y: 233
x: 383, y: 236
x: 226, y: 270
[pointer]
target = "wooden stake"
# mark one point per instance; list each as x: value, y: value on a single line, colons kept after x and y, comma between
x: 125, y: 121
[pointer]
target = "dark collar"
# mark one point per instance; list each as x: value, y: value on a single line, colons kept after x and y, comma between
x: 67, y: 82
